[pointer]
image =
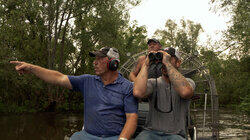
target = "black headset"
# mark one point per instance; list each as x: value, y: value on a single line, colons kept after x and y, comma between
x: 113, y: 64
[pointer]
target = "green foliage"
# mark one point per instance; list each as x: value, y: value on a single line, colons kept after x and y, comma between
x: 2, y: 107
x: 237, y: 35
x: 132, y: 41
x: 57, y: 35
x: 183, y: 37
x: 231, y: 77
x: 233, y: 73
x: 245, y: 104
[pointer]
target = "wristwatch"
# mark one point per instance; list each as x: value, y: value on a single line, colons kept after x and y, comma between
x: 123, y: 139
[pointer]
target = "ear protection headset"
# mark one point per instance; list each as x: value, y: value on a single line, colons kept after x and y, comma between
x: 113, y: 60
x: 113, y: 64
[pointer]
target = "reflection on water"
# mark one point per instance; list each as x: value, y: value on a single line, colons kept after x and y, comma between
x: 51, y: 126
x: 234, y: 126
x: 45, y: 126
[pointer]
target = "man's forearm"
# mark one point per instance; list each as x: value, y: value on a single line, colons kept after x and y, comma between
x: 140, y: 85
x: 49, y: 76
x: 179, y: 82
x: 136, y: 69
x: 130, y: 126
x: 132, y: 77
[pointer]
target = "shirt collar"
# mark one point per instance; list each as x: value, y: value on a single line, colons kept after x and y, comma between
x: 119, y: 78
x: 117, y: 81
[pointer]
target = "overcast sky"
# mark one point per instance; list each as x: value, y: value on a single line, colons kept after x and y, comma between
x: 154, y: 14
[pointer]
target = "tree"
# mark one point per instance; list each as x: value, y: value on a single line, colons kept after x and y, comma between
x: 236, y: 40
x: 185, y: 37
x: 237, y: 35
x: 57, y: 35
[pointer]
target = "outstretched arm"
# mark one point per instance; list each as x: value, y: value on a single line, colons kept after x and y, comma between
x: 49, y: 76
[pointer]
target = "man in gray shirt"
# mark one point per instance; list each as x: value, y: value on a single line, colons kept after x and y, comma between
x: 168, y: 99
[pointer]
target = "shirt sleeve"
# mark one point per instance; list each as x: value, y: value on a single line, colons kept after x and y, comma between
x: 130, y: 102
x: 150, y: 86
x: 191, y: 82
x: 77, y: 82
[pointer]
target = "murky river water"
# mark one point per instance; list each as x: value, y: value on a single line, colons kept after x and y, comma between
x: 44, y: 126
x: 52, y: 126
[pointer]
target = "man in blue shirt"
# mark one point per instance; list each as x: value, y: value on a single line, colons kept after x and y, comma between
x: 110, y: 109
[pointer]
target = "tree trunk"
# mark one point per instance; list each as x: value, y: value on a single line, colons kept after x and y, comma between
x: 50, y: 11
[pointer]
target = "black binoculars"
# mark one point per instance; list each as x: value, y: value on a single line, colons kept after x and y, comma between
x: 155, y: 64
x: 155, y: 56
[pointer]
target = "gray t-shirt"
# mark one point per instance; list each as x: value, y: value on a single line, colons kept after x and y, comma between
x: 174, y: 120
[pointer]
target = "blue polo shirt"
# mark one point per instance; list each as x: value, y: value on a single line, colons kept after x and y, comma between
x: 105, y: 106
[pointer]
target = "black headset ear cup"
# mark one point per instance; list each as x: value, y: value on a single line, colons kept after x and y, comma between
x: 113, y: 64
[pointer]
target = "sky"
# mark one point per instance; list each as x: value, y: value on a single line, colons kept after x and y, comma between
x: 154, y: 14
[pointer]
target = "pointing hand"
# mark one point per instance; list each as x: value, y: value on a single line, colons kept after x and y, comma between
x: 22, y: 67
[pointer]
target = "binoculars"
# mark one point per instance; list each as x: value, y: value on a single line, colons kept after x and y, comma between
x: 155, y: 56
x: 155, y: 64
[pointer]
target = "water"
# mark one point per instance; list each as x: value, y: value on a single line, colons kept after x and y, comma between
x: 234, y: 126
x: 44, y: 126
x: 52, y: 126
